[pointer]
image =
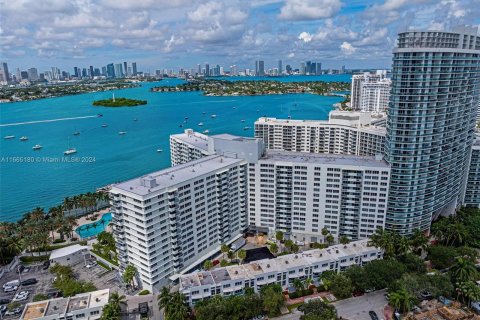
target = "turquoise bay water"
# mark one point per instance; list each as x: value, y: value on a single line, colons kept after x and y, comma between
x: 44, y: 178
x: 96, y: 227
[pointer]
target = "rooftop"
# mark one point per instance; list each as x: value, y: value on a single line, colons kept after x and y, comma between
x: 231, y: 137
x: 175, y: 175
x: 322, y: 158
x: 35, y: 310
x: 78, y: 302
x: 57, y: 306
x: 62, y: 252
x: 193, y: 138
x: 99, y: 298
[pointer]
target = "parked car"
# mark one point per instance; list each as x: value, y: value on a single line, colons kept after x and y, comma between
x: 20, y: 268
x: 426, y: 295
x: 4, y: 301
x: 12, y: 283
x: 46, y: 265
x: 10, y: 289
x: 373, y: 315
x: 13, y: 312
x: 91, y: 264
x: 22, y: 295
x: 3, y: 309
x: 29, y: 282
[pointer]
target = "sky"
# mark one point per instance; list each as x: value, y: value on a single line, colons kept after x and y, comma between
x: 160, y: 34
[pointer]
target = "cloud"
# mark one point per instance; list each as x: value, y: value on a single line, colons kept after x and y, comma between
x: 305, y: 36
x: 297, y: 10
x: 347, y: 48
x: 143, y: 4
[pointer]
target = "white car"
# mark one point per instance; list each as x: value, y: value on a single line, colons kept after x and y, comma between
x: 22, y: 295
x: 91, y: 264
x: 13, y: 312
x: 10, y: 288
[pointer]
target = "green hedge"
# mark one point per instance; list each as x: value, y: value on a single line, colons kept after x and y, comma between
x: 143, y: 292
x: 105, y: 257
x: 30, y: 259
x: 298, y: 294
x: 59, y: 241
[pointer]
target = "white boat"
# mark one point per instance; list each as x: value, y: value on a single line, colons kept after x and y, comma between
x: 104, y: 125
x: 135, y: 119
x: 242, y: 120
x: 213, y: 115
x: 70, y: 151
x: 246, y: 128
x: 206, y: 131
x: 8, y: 137
x: 37, y: 147
x: 122, y: 133
x: 76, y: 133
x: 200, y: 124
x: 159, y: 150
x: 24, y: 138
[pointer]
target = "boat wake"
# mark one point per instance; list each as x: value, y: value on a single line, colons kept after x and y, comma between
x: 42, y: 121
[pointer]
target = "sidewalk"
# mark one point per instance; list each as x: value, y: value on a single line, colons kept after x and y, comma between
x: 289, y: 301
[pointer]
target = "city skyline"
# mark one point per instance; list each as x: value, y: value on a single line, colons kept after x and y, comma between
x: 180, y: 33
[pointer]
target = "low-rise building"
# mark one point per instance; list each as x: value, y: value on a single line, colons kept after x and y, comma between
x: 87, y: 306
x: 69, y: 256
x: 233, y: 280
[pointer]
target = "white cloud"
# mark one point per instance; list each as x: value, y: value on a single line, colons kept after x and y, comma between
x: 309, y: 9
x: 143, y: 4
x: 305, y: 37
x: 347, y: 48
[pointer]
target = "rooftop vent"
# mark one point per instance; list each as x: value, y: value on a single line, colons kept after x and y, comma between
x: 149, y: 182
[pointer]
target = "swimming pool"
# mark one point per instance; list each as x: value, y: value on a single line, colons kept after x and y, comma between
x: 94, y: 228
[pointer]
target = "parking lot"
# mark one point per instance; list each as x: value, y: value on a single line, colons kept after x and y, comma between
x: 101, y: 277
x: 44, y: 284
x: 357, y: 308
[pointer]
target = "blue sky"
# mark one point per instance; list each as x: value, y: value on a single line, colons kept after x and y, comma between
x: 181, y: 33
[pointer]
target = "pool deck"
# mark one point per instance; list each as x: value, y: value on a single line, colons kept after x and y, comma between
x: 83, y: 221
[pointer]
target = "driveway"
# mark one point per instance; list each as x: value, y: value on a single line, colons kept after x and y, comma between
x: 357, y: 308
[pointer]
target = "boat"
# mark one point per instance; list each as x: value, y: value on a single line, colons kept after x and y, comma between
x: 206, y: 131
x: 181, y: 125
x: 234, y: 107
x: 159, y: 150
x: 99, y: 115
x: 76, y: 133
x: 104, y: 125
x: 122, y: 133
x: 24, y: 138
x: 242, y: 120
x: 70, y: 151
x: 246, y: 128
x: 37, y: 147
x: 186, y: 118
x: 135, y: 119
x: 213, y: 116
x: 204, y: 112
x: 8, y: 137
x: 200, y: 124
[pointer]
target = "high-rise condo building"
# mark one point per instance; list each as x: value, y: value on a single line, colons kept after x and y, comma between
x: 32, y: 74
x: 118, y: 70
x: 4, y: 73
x: 319, y: 68
x: 110, y: 71
x: 430, y: 125
x: 259, y: 68
x: 207, y: 70
x: 344, y: 133
x: 125, y: 68
x: 370, y: 92
x: 174, y: 219
x: 134, y: 68
x: 301, y: 193
x: 92, y: 72
x: 280, y: 67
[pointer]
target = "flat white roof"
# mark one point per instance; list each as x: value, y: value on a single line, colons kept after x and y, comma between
x: 193, y: 138
x: 175, y: 175
x: 62, y: 252
x: 323, y: 158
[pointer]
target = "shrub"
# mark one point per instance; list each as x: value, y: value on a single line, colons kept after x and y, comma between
x: 40, y: 297
x: 143, y: 292
x: 74, y: 239
x: 58, y: 240
x: 30, y: 259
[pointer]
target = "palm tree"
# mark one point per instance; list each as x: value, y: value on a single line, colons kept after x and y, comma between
x: 164, y: 299
x: 129, y: 274
x: 403, y: 246
x: 279, y: 238
x: 469, y: 291
x: 325, y: 233
x: 117, y: 300
x: 224, y: 248
x: 273, y: 248
x: 242, y: 254
x: 298, y: 285
x: 308, y: 282
x: 419, y: 240
x: 230, y: 255
x: 207, y: 265
x: 179, y: 308
x: 401, y: 300
x: 288, y: 244
x: 463, y: 270
x: 330, y: 239
x: 71, y: 222
x: 344, y: 240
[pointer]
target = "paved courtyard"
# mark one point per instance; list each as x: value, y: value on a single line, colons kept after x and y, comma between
x: 357, y: 308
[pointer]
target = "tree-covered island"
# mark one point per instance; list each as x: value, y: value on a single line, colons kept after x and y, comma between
x: 216, y: 87
x: 119, y: 102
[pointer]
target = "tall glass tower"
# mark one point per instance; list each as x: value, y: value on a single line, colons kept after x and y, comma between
x: 431, y: 123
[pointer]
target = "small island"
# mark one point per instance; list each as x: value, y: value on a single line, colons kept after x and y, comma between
x: 119, y: 102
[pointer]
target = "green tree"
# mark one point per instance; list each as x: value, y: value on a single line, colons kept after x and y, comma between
x: 40, y: 297
x: 442, y: 257
x: 330, y: 239
x: 401, y: 300
x: 413, y: 263
x: 463, y: 270
x: 242, y: 254
x: 469, y: 291
x: 382, y: 273
x: 342, y: 286
x: 298, y: 285
x: 344, y: 240
x: 279, y: 238
x: 224, y: 248
x: 317, y: 310
x: 273, y: 248
x: 207, y: 265
x: 273, y: 299
x: 129, y: 274
x: 295, y: 248
x: 288, y: 244
x: 325, y: 233
x: 358, y: 277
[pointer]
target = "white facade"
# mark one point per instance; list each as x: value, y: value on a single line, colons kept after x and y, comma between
x: 347, y: 133
x: 69, y: 256
x: 283, y: 270
x: 188, y: 146
x: 172, y: 220
x: 301, y: 193
x: 370, y: 92
x: 87, y: 306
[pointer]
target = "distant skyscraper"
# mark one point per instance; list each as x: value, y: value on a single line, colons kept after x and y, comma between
x: 110, y: 71
x: 319, y: 68
x: 125, y: 68
x: 23, y: 75
x: 302, y: 68
x: 55, y: 73
x: 4, y: 74
x: 259, y: 68
x: 431, y: 124
x: 96, y: 72
x: 233, y: 70
x: 32, y: 74
x: 92, y: 72
x: 199, y: 69
x: 118, y: 70
x: 343, y: 69
x: 84, y: 72
x: 75, y: 72
x: 207, y: 70
x: 280, y: 67
x: 288, y: 69
x: 104, y: 71
x: 134, y: 68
